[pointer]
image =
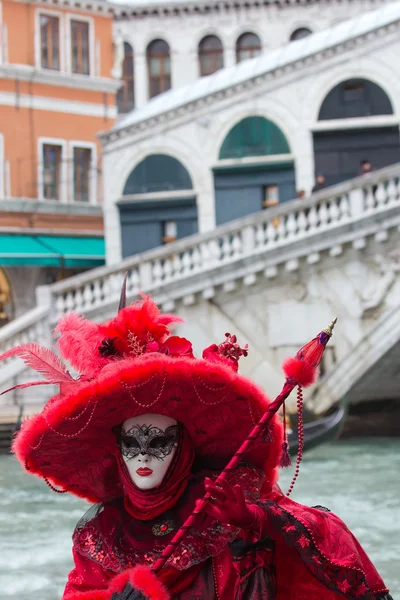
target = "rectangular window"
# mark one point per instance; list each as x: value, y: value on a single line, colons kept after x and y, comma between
x: 170, y: 232
x: 80, y: 53
x: 51, y: 174
x: 271, y: 196
x: 82, y: 170
x: 49, y: 42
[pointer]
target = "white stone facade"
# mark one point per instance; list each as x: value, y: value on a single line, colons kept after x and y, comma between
x: 183, y: 26
x: 287, y: 87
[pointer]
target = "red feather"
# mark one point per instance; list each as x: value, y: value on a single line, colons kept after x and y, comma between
x: 40, y: 359
x: 20, y: 386
x: 79, y: 343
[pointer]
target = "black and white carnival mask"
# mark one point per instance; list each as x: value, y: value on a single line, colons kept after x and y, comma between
x: 148, y: 444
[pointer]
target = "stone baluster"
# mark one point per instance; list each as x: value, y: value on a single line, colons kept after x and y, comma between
x: 196, y: 259
x: 97, y: 294
x: 270, y: 235
x: 236, y: 246
x: 281, y: 231
x: 157, y: 273
x: 206, y: 257
x: 87, y: 296
x: 344, y: 208
x: 357, y: 202
x: 249, y: 238
x: 301, y: 224
x: 392, y: 192
x: 69, y: 302
x: 333, y: 211
x: 369, y: 200
x: 145, y: 275
x: 79, y: 300
x: 215, y: 251
x: 381, y: 195
x: 59, y: 304
x: 133, y: 282
x: 186, y: 264
x: 226, y: 248
x: 167, y: 268
x: 176, y: 266
x: 313, y: 220
x: 260, y: 235
x: 291, y: 226
x: 323, y: 216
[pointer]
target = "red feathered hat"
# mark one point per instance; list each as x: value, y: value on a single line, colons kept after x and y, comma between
x: 129, y: 366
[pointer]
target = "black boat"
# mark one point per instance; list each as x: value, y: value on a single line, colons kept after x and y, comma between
x: 319, y: 431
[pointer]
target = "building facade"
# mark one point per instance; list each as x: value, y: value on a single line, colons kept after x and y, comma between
x: 164, y: 44
x: 254, y: 134
x: 56, y: 94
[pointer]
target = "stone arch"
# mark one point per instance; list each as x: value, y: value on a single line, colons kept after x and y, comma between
x: 378, y: 73
x: 346, y: 152
x: 355, y: 97
x: 157, y: 173
x: 299, y: 33
x: 254, y: 136
x: 126, y: 93
x: 255, y: 169
x: 158, y: 58
x: 158, y: 204
x: 248, y: 45
x: 210, y: 54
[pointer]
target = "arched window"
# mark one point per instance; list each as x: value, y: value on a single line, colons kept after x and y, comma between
x: 211, y: 55
x: 254, y: 136
x: 158, y: 173
x: 247, y: 46
x: 355, y: 98
x: 159, y: 67
x: 126, y: 93
x: 300, y: 33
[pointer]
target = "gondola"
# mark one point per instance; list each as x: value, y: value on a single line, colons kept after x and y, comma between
x: 319, y: 431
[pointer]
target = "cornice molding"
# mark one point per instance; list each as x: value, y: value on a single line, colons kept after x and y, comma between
x: 59, y: 79
x: 200, y: 7
x: 103, y: 8
x: 185, y: 109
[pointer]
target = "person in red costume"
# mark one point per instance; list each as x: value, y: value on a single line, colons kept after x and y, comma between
x: 143, y: 434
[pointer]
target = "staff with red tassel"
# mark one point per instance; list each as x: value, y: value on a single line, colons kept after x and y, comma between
x: 300, y: 371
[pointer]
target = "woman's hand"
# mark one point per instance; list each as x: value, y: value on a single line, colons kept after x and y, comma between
x: 228, y: 505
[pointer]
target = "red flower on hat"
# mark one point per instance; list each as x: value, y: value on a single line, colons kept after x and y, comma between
x: 177, y: 346
x: 228, y: 352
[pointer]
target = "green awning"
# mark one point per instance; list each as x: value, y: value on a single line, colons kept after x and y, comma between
x: 51, y: 251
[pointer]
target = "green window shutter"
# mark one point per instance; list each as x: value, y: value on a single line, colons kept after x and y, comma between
x: 254, y: 136
x: 158, y: 173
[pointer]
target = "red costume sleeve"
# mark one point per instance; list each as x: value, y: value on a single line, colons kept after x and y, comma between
x: 87, y: 581
x: 314, y: 541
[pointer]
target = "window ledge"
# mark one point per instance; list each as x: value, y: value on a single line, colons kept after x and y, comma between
x: 58, y: 78
x: 47, y: 206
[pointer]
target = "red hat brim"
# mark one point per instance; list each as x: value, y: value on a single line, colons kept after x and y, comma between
x: 72, y: 443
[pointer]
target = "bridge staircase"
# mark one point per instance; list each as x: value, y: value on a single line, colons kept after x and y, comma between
x: 193, y: 270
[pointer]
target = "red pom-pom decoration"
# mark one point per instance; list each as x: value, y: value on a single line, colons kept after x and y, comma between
x: 300, y: 371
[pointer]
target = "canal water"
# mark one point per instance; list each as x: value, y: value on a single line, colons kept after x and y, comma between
x: 359, y: 480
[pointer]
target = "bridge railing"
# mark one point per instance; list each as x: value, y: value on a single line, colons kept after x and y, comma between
x: 259, y: 233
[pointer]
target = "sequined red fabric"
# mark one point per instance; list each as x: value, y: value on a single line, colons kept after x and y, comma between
x: 295, y: 553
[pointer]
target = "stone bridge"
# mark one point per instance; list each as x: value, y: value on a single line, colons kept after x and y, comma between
x: 275, y: 279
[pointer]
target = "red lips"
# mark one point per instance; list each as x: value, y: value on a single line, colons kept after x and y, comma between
x: 144, y: 472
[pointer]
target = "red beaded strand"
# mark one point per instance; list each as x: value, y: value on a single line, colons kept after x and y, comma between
x: 300, y: 433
